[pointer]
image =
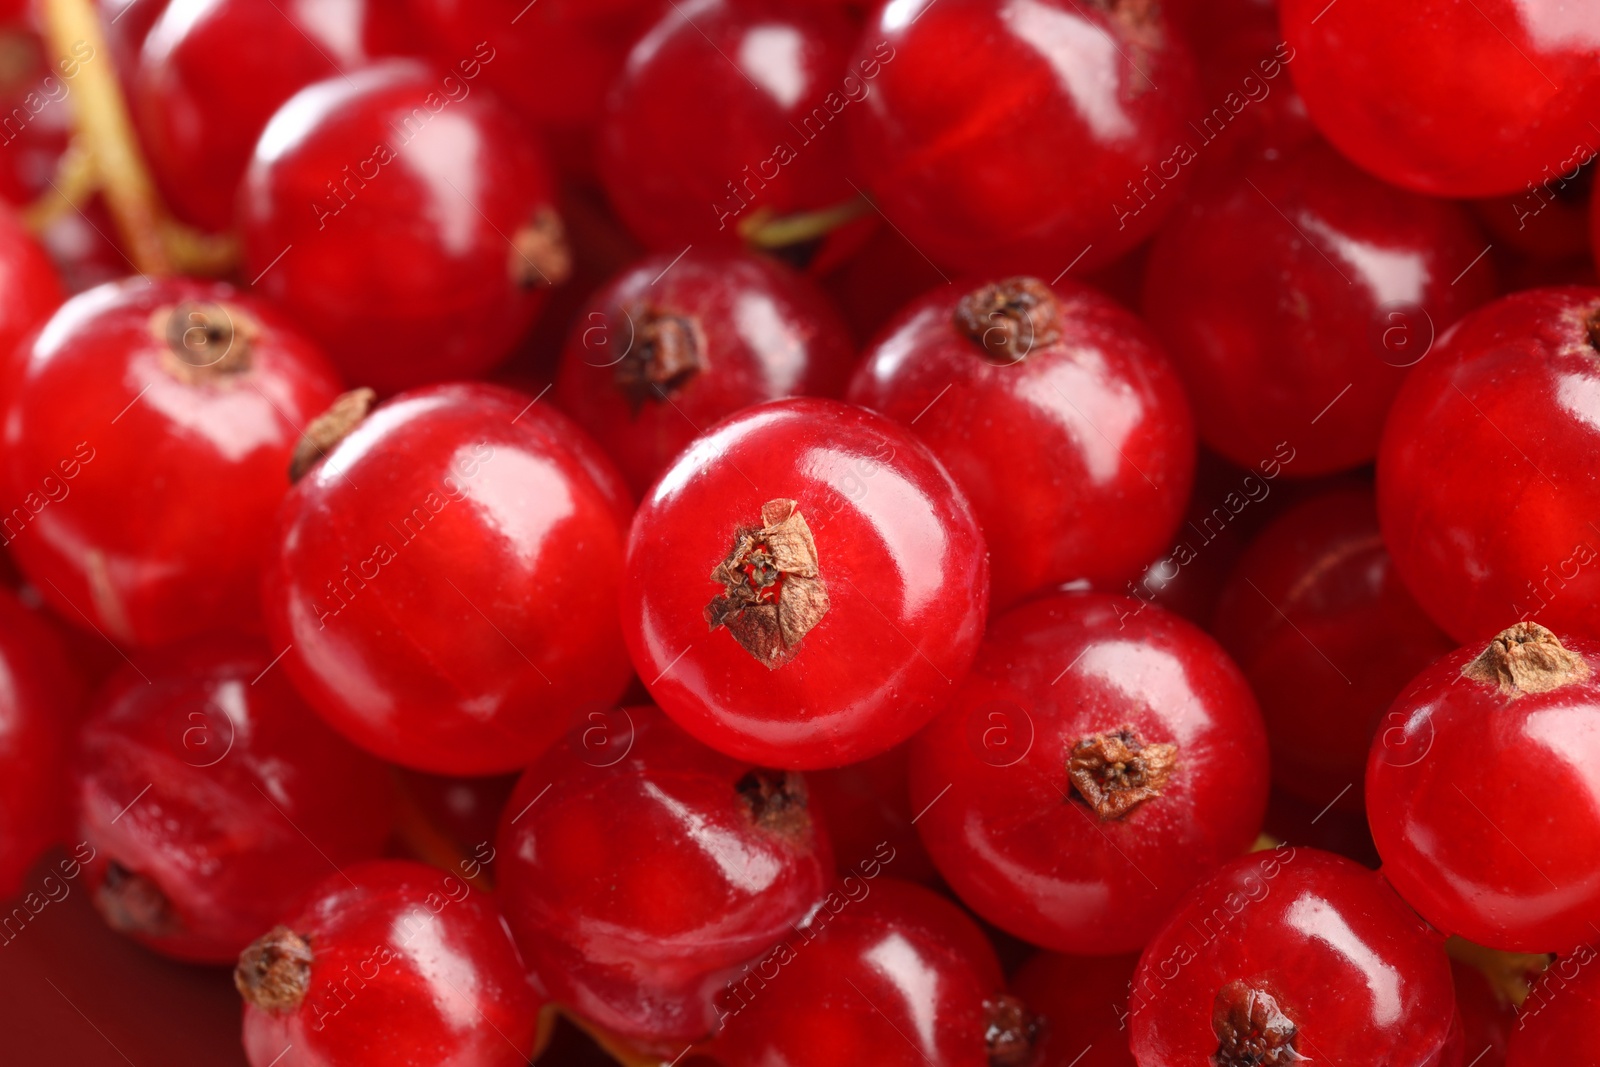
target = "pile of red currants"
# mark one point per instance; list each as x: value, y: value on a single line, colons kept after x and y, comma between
x: 799, y: 533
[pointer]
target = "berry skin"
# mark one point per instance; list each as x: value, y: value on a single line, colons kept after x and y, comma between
x: 387, y: 963
x: 1058, y: 415
x: 1084, y: 1000
x: 651, y: 870
x: 1450, y: 99
x: 420, y: 256
x: 841, y: 574
x: 1097, y: 762
x: 721, y: 120
x: 146, y: 438
x: 1292, y: 955
x: 1047, y: 142
x: 1318, y: 620
x: 887, y: 973
x: 32, y: 291
x: 213, y: 797
x: 1293, y: 293
x: 1485, y: 474
x: 444, y: 580
x: 1480, y: 794
x: 1556, y: 1023
x: 39, y: 696
x: 866, y: 807
x: 672, y: 345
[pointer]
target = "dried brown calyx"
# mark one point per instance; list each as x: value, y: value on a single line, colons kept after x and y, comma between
x: 328, y: 429
x: 1526, y: 658
x: 1012, y: 1031
x: 1252, y: 1031
x: 777, y: 802
x: 1009, y: 319
x: 274, y: 972
x: 665, y: 351
x: 772, y: 592
x: 133, y: 904
x: 540, y: 256
x: 206, y: 342
x: 1116, y: 772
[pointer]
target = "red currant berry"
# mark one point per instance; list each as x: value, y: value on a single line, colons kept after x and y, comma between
x: 146, y: 441
x: 720, y: 121
x: 39, y: 695
x: 445, y: 819
x: 1556, y: 1023
x: 1487, y: 1017
x: 1481, y: 796
x: 622, y: 911
x: 1047, y: 146
x: 866, y: 807
x: 1486, y: 485
x: 422, y: 255
x: 1101, y: 759
x: 887, y: 973
x: 1320, y: 623
x: 32, y: 291
x: 1547, y: 220
x: 444, y: 580
x: 1445, y: 98
x: 1058, y: 415
x: 212, y: 72
x: 1363, y: 278
x: 841, y: 573
x: 213, y: 797
x: 387, y: 963
x: 1292, y: 955
x: 1084, y: 1002
x: 1244, y: 79
x: 670, y: 346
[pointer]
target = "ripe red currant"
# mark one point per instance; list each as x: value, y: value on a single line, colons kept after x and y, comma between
x: 1291, y: 955
x: 672, y: 345
x: 1481, y: 796
x: 1320, y: 623
x: 1060, y: 141
x: 147, y: 434
x: 866, y: 807
x: 1485, y: 480
x: 444, y: 581
x: 1084, y: 1002
x: 1058, y: 415
x: 1556, y: 1023
x: 32, y: 290
x: 1101, y: 759
x: 1293, y: 294
x: 405, y: 220
x: 1487, y: 1017
x: 213, y: 798
x: 639, y: 870
x: 387, y: 963
x: 804, y: 586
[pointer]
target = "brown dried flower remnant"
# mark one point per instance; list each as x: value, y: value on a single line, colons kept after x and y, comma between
x: 274, y: 972
x: 1116, y: 772
x: 1252, y: 1031
x: 772, y: 593
x: 1010, y: 318
x: 1527, y: 658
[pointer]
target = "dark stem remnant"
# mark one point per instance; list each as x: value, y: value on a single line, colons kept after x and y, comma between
x: 777, y: 802
x: 1527, y: 658
x: 1252, y: 1031
x: 206, y: 342
x: 664, y: 352
x: 328, y: 429
x: 540, y: 256
x: 274, y: 972
x: 772, y: 595
x: 1009, y: 319
x: 1116, y: 772
x: 1591, y: 327
x: 133, y: 904
x: 1012, y: 1032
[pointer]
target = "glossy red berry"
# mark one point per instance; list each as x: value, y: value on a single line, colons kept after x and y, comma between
x: 212, y: 72
x: 39, y: 695
x: 147, y: 437
x: 444, y: 581
x: 672, y: 345
x: 1293, y: 294
x: 1099, y: 761
x: 1084, y: 1002
x: 804, y: 586
x: 885, y: 972
x: 405, y: 219
x: 640, y: 869
x: 387, y: 963
x: 1487, y: 1015
x: 723, y: 119
x: 1058, y: 415
x: 1450, y: 99
x: 1319, y: 621
x: 1481, y: 796
x: 1063, y: 136
x: 866, y: 807
x: 1485, y: 481
x: 213, y: 798
x: 32, y: 291
x: 1556, y: 1023
x: 1288, y: 955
